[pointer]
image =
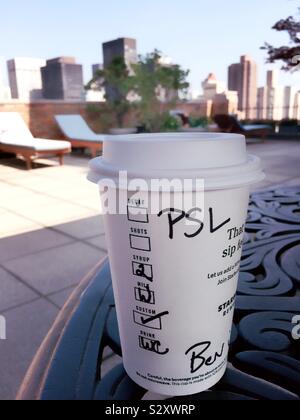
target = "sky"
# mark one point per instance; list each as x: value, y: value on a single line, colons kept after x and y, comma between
x: 202, y: 36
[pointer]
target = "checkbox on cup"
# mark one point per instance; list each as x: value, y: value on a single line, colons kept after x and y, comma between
x: 140, y: 243
x: 142, y: 270
x: 137, y: 214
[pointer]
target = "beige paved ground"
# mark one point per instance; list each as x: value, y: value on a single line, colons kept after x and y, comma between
x: 52, y: 235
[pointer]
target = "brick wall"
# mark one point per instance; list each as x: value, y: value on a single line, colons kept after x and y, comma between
x: 39, y: 116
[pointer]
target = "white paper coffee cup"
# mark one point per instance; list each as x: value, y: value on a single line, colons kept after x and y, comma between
x: 175, y: 269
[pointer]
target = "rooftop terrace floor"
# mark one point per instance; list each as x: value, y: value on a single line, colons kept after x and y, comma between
x: 52, y: 235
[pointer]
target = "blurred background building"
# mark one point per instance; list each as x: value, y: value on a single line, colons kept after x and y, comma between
x: 216, y: 99
x: 167, y: 95
x: 5, y: 94
x: 270, y: 98
x: 25, y: 79
x: 291, y: 103
x: 125, y: 48
x: 242, y: 78
x: 62, y: 78
x: 95, y: 95
x: 275, y: 102
x: 95, y: 68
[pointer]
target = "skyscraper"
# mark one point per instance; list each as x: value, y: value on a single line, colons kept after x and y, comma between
x: 272, y: 78
x: 297, y: 106
x: 211, y: 87
x: 96, y: 68
x: 270, y: 98
x: 291, y: 102
x: 242, y: 77
x: 121, y: 47
x: 25, y: 78
x: 63, y: 79
x: 234, y: 77
x: 5, y: 94
x: 216, y: 98
x: 124, y: 48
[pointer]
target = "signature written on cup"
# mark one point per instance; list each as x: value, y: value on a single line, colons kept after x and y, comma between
x: 200, y: 355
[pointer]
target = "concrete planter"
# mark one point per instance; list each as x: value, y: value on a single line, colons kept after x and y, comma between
x: 211, y: 128
x: 122, y: 131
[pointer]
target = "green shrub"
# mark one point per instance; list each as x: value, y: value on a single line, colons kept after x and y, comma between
x: 170, y: 123
x: 196, y: 121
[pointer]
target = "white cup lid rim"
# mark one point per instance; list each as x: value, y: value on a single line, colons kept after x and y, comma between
x: 209, y: 155
x: 172, y: 137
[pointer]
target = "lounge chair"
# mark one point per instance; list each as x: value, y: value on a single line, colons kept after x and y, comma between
x: 16, y: 138
x: 230, y: 124
x: 79, y: 133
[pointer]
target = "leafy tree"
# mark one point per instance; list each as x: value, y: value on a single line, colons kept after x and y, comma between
x: 139, y: 90
x: 152, y: 78
x: 289, y: 55
x: 118, y: 82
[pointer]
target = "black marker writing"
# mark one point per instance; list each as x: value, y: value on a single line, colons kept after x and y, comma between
x: 200, y: 358
x: 152, y: 345
x: 145, y: 295
x: 175, y: 216
x: 182, y: 215
x: 146, y: 321
x: 211, y: 218
x: 172, y: 222
x: 193, y: 219
x: 140, y: 272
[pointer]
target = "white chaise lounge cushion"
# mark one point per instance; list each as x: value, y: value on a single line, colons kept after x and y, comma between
x: 39, y: 145
x: 252, y: 127
x: 14, y: 132
x: 13, y: 127
x: 75, y: 128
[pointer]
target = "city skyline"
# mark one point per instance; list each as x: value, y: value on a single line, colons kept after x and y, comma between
x: 195, y: 37
x: 231, y: 70
x: 61, y: 78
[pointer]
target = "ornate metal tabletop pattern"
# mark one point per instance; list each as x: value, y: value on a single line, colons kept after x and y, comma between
x: 264, y: 357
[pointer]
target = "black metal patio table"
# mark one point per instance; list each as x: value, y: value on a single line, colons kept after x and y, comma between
x: 265, y: 353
